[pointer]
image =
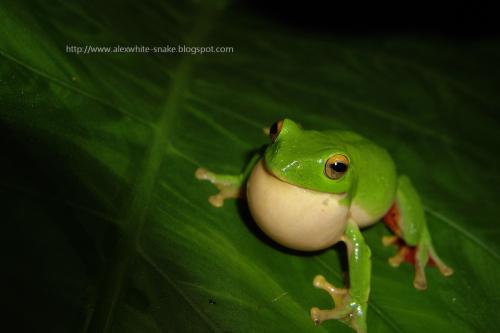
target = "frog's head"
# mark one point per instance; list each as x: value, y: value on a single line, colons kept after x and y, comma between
x: 309, y: 159
x: 299, y: 193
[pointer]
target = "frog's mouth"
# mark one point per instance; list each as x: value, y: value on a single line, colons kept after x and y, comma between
x: 278, y: 177
x: 294, y: 216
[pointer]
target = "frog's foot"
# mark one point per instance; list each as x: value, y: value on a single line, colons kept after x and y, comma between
x: 345, y: 308
x: 425, y: 255
x: 420, y: 256
x: 415, y: 256
x: 229, y: 186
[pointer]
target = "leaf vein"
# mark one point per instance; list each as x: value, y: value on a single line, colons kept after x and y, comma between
x: 466, y: 233
x: 74, y: 89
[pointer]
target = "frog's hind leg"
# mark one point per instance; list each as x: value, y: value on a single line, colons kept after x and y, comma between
x: 406, y: 219
x: 406, y: 253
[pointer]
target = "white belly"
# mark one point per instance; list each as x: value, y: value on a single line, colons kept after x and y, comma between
x: 295, y: 217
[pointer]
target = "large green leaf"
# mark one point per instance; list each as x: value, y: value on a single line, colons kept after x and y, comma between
x: 106, y: 229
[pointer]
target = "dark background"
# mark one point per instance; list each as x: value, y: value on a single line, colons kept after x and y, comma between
x: 457, y: 21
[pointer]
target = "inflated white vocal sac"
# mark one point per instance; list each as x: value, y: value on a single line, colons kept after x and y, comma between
x: 293, y: 216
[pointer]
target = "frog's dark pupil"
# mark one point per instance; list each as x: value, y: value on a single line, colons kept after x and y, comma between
x: 338, y: 167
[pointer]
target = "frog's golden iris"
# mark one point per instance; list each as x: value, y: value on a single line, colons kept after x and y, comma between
x: 336, y: 166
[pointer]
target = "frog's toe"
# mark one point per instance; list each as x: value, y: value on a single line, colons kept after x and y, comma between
x: 319, y: 281
x: 316, y: 316
x: 229, y: 186
x: 445, y: 270
x: 420, y: 281
x: 202, y: 174
x: 419, y: 285
x: 395, y: 261
x: 389, y: 240
x: 338, y: 294
x: 229, y: 192
x: 398, y: 258
x: 216, y: 200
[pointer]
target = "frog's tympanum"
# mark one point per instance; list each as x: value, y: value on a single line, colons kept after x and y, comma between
x: 311, y: 189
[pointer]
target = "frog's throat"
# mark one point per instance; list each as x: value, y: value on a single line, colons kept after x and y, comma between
x: 294, y: 216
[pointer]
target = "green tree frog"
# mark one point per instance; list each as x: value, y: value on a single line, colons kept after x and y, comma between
x: 312, y: 189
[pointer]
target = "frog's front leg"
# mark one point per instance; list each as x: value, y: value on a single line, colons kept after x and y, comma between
x: 230, y: 186
x: 406, y: 219
x: 350, y: 304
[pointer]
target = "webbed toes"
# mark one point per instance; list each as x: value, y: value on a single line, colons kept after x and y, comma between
x: 343, y: 309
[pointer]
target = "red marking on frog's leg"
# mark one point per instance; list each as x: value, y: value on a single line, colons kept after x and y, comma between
x: 391, y: 219
x: 411, y: 252
x: 431, y: 261
x: 405, y: 252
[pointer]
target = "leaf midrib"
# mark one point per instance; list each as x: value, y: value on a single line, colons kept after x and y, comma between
x: 140, y: 198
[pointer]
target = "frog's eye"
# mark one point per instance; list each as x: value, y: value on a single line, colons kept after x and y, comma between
x: 336, y: 166
x: 275, y: 130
